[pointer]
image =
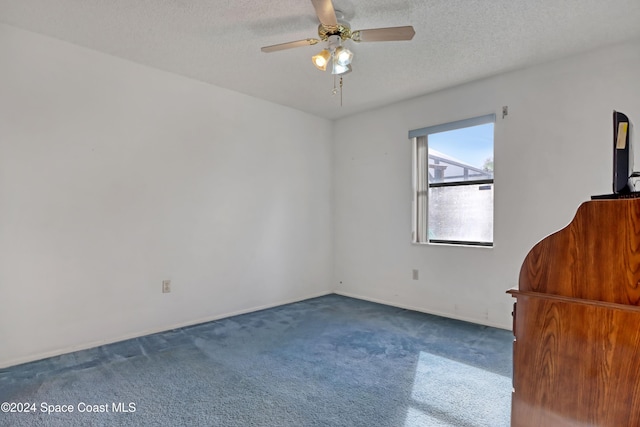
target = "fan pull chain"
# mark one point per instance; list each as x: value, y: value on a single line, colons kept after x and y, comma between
x: 334, y: 92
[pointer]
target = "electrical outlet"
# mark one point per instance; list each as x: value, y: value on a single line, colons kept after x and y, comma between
x: 415, y: 274
x: 166, y: 286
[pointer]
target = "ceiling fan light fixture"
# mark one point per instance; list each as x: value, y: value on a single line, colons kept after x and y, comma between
x: 334, y: 31
x: 343, y: 56
x: 321, y: 59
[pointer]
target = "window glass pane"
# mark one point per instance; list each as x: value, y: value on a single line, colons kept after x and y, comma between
x: 464, y: 154
x: 453, y: 182
x: 461, y: 213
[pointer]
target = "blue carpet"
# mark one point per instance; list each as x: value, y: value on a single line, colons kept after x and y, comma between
x: 328, y: 361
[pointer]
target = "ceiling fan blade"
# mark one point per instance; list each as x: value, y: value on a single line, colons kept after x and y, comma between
x: 289, y: 45
x: 326, y: 13
x: 384, y: 34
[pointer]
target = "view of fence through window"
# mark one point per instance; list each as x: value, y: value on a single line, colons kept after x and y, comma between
x: 460, y: 195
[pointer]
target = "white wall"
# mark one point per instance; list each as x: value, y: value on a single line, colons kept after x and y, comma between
x: 115, y: 176
x: 552, y: 152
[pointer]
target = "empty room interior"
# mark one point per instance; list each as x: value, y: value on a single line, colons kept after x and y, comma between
x: 187, y: 203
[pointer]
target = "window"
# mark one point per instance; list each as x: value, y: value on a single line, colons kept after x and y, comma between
x: 453, y: 182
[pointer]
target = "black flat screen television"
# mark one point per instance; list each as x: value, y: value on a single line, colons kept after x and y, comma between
x: 622, y: 153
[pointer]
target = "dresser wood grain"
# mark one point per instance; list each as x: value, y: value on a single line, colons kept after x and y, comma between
x: 577, y: 322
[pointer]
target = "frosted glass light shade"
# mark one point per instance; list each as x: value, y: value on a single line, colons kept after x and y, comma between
x: 343, y: 56
x: 321, y: 60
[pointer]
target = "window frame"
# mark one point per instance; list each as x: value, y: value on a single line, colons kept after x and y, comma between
x: 420, y: 173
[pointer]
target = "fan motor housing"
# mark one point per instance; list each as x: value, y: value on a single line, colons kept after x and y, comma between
x: 342, y: 29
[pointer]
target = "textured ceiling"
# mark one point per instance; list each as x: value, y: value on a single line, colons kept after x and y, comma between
x: 218, y: 41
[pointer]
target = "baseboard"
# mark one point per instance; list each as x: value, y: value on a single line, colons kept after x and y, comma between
x: 93, y: 344
x: 422, y: 310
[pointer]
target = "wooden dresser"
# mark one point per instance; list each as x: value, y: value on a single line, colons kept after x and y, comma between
x: 576, y: 353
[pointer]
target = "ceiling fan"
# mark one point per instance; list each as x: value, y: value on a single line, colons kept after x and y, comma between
x: 334, y: 31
